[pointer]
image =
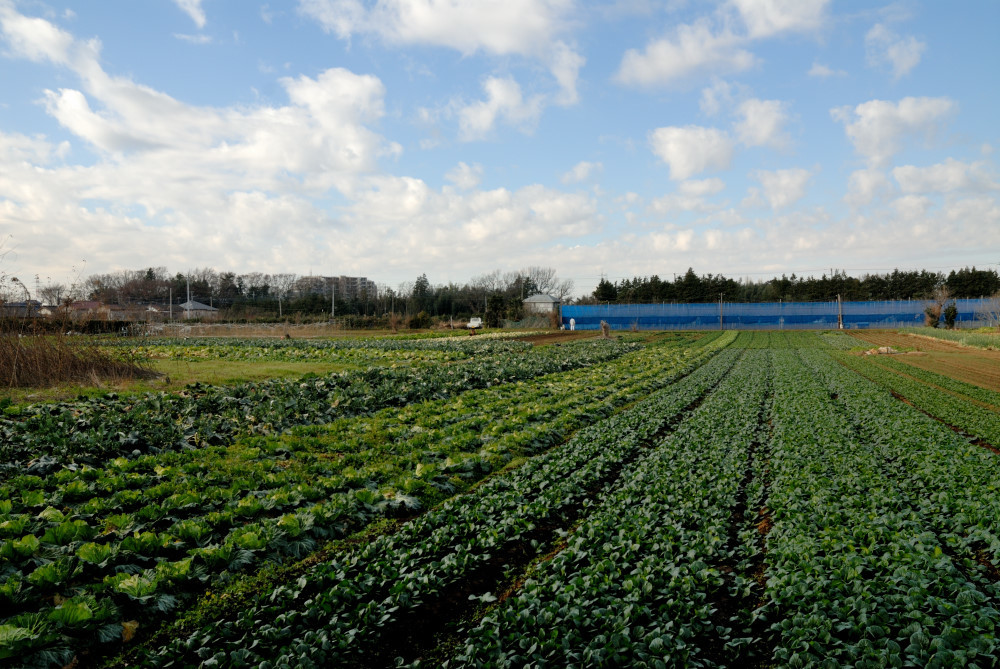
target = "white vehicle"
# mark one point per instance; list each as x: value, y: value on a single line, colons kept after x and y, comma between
x: 475, y: 323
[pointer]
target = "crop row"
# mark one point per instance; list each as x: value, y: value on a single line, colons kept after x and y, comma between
x: 350, y: 351
x: 353, y: 357
x: 124, y: 539
x: 956, y: 480
x: 99, y: 429
x: 493, y: 342
x: 640, y: 580
x: 971, y: 418
x: 858, y: 571
x: 353, y: 609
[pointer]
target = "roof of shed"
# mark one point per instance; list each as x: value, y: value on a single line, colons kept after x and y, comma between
x: 542, y: 297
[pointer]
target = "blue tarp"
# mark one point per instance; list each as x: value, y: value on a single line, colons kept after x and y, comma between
x: 761, y: 315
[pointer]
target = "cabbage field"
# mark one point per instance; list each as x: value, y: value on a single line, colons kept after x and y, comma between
x: 764, y: 499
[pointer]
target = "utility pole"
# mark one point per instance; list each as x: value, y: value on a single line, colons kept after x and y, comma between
x: 333, y: 298
x: 840, y: 313
x: 720, y: 311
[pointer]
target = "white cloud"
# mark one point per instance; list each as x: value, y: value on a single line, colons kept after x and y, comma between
x: 701, y: 187
x: 465, y: 176
x: 581, y: 172
x: 152, y: 147
x: 912, y: 207
x: 565, y: 66
x: 297, y: 180
x: 824, y: 72
x: 194, y: 39
x: 761, y: 123
x: 529, y: 28
x: 716, y: 97
x: 765, y: 18
x: 193, y: 9
x: 401, y: 213
x: 17, y: 148
x: 692, y: 49
x: 783, y: 188
x: 711, y: 45
x: 883, y: 47
x: 691, y: 149
x: 34, y: 38
x: 498, y: 26
x: 867, y: 186
x: 504, y: 101
x: 877, y: 128
x: 225, y: 185
x: 950, y: 176
x: 690, y: 196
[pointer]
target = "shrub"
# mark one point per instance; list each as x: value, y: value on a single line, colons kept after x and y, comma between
x: 420, y: 321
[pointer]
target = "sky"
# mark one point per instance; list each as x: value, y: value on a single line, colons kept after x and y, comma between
x: 450, y: 138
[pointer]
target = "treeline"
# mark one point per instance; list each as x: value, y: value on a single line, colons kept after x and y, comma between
x: 897, y: 285
x: 496, y: 295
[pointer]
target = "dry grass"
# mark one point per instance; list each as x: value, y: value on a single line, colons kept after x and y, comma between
x: 42, y: 361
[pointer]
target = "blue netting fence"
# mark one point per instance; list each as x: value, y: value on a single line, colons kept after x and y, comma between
x: 762, y: 315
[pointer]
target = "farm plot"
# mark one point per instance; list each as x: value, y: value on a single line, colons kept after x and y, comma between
x: 945, y: 357
x: 921, y: 342
x: 879, y: 514
x: 126, y: 540
x: 976, y: 371
x: 973, y: 410
x: 758, y: 505
x: 344, y: 351
x: 354, y: 609
x: 43, y: 438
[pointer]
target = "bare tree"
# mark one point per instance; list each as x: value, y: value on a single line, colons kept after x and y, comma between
x: 282, y: 284
x: 491, y: 282
x: 562, y: 289
x: 989, y: 312
x: 543, y: 278
x: 52, y: 293
x: 255, y: 284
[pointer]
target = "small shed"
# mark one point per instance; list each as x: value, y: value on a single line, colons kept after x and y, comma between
x: 192, y: 309
x: 541, y: 303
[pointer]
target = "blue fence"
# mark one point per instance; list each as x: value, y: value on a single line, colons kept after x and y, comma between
x: 761, y: 316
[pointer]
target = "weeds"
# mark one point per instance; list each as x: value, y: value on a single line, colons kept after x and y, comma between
x: 43, y: 360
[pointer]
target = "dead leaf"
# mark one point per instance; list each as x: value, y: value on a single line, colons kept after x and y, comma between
x: 129, y: 628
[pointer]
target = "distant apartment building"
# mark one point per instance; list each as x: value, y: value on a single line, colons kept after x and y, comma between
x: 346, y: 287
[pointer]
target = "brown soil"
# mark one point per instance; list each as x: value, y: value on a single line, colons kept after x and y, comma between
x: 980, y: 372
x: 902, y: 340
x: 558, y: 337
x: 975, y: 366
x: 964, y: 398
